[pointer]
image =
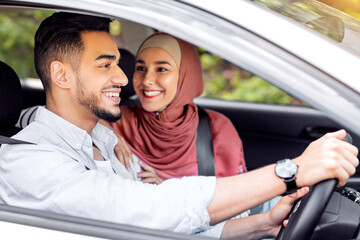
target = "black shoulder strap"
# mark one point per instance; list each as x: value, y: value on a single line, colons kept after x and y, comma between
x: 204, y: 147
x: 7, y: 140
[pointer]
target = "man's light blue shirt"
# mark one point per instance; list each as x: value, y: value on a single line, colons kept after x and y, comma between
x: 58, y: 174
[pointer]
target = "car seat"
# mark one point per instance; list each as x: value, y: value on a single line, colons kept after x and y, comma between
x: 11, y: 100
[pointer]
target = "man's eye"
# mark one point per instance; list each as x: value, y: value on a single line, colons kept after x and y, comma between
x: 106, y: 65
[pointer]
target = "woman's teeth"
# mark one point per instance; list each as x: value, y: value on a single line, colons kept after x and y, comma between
x: 151, y: 93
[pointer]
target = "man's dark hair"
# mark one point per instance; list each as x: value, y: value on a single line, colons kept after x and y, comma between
x: 58, y: 38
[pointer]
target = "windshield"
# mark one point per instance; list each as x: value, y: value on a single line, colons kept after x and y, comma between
x: 331, y: 22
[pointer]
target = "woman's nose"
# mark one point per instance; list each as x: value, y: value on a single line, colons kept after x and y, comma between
x: 149, y: 79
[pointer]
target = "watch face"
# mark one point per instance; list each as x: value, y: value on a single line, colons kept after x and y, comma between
x: 286, y: 168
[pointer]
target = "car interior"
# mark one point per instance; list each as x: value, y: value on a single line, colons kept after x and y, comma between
x: 269, y: 132
x: 11, y: 97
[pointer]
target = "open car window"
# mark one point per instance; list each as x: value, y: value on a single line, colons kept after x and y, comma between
x: 223, y: 80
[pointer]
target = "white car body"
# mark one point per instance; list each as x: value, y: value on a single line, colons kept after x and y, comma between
x: 233, y: 30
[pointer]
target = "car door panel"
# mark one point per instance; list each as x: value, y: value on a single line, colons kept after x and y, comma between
x: 271, y: 132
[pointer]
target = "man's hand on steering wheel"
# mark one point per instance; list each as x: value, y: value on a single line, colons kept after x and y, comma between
x: 332, y: 159
x: 326, y: 158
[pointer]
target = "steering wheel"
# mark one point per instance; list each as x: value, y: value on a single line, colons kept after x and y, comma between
x: 307, y: 212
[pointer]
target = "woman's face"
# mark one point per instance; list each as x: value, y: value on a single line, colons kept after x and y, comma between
x: 155, y: 79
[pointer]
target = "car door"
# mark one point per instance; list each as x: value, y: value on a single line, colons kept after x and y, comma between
x: 271, y: 132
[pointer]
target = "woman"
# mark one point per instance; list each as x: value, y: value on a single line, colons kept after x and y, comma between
x: 162, y: 131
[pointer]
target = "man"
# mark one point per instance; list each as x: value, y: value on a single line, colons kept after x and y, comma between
x: 76, y: 59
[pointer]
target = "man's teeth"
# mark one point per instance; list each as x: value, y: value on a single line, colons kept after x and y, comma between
x: 151, y: 93
x: 112, y: 94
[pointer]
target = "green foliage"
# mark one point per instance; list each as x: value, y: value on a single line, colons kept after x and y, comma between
x: 17, y: 30
x: 224, y: 80
x: 115, y: 27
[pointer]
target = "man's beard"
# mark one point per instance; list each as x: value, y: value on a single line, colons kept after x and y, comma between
x: 89, y: 101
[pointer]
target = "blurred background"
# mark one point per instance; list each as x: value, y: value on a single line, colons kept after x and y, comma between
x: 351, y: 7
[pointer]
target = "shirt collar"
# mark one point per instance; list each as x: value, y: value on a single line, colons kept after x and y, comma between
x: 103, y: 134
x: 70, y: 133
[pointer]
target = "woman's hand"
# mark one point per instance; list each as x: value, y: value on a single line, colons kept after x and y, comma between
x: 122, y: 150
x: 277, y: 215
x: 148, y: 175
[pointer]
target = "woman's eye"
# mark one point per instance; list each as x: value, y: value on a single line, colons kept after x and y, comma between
x: 160, y: 69
x: 140, y: 68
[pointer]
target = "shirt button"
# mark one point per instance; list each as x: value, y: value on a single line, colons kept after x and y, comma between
x: 77, y: 145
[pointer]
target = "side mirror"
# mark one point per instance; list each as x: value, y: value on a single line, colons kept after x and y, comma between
x: 329, y: 25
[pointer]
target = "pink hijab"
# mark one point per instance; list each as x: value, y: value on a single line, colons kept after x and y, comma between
x: 167, y: 140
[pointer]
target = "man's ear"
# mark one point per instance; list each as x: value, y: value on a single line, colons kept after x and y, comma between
x: 58, y: 74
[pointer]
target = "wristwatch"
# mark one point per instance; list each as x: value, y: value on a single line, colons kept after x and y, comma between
x: 286, y: 169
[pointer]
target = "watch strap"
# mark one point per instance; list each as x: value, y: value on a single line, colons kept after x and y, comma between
x: 291, y: 186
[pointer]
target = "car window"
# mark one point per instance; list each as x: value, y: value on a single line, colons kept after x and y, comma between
x: 224, y: 80
x: 17, y: 32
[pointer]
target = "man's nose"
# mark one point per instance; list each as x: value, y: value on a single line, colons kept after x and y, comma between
x: 120, y: 77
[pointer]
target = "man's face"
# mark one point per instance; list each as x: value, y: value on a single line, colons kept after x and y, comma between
x: 99, y: 79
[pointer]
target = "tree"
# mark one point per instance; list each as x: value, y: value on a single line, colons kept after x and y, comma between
x: 17, y: 37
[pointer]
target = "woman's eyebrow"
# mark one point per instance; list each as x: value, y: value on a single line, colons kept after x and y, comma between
x: 157, y: 62
x: 162, y: 62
